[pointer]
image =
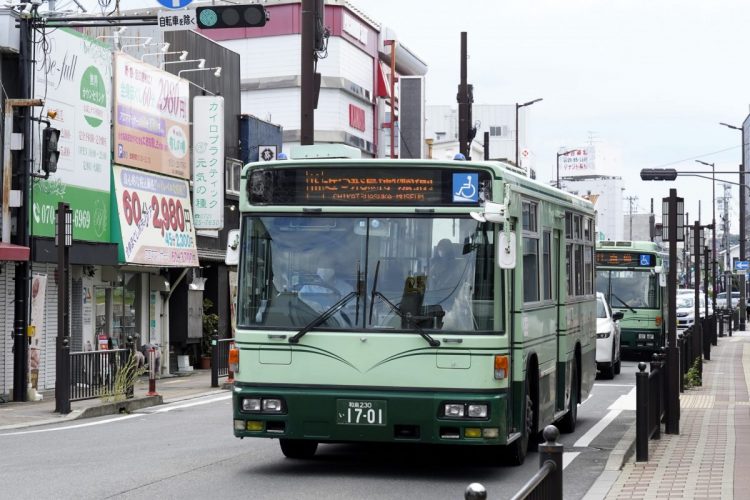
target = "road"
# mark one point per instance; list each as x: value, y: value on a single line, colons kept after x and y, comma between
x: 187, y: 450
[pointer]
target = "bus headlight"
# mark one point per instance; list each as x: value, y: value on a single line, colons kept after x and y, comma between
x: 478, y: 411
x: 453, y: 410
x: 251, y: 404
x: 272, y: 405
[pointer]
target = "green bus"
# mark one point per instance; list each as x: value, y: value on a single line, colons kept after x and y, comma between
x: 410, y: 301
x: 632, y: 276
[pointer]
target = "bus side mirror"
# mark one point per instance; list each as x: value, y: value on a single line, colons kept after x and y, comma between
x: 506, y: 250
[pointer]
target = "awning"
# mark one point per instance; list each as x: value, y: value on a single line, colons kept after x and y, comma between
x: 9, y: 251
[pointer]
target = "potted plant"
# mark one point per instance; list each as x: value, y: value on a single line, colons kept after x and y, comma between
x: 210, y: 328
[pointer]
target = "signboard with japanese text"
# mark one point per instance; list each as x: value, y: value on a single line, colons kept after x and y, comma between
x: 208, y: 162
x: 152, y: 115
x: 156, y: 222
x: 579, y: 161
x: 73, y: 78
x: 176, y: 21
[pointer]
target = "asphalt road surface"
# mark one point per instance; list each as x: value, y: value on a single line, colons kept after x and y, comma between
x: 187, y: 450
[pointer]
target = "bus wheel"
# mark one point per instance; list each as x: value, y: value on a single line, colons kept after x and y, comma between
x: 568, y: 422
x: 298, y: 448
x: 519, y: 448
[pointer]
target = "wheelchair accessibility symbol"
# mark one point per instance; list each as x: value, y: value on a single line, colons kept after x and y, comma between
x: 645, y: 260
x: 465, y: 188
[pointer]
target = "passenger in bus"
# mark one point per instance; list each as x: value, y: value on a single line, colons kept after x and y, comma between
x: 326, y: 288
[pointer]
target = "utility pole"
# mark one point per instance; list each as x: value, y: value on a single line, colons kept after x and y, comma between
x: 20, y: 325
x: 465, y: 98
x: 307, y: 72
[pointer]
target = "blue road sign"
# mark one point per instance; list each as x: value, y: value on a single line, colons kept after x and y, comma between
x: 175, y: 4
x: 741, y: 265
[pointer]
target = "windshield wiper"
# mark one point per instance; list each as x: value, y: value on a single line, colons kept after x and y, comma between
x: 624, y: 303
x: 405, y: 316
x: 323, y: 317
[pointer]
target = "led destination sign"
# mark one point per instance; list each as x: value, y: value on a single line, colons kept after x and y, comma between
x: 625, y: 259
x: 365, y: 186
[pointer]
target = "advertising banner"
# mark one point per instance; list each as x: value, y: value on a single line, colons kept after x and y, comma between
x: 155, y: 219
x: 578, y: 162
x: 73, y: 78
x: 208, y: 162
x: 151, y: 118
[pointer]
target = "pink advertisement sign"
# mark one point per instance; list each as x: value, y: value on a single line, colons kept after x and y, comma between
x: 151, y: 118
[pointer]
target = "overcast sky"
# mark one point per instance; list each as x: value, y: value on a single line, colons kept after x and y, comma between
x: 651, y: 79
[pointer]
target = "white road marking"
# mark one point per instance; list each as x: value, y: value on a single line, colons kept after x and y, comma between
x: 77, y: 426
x: 624, y: 402
x: 614, y: 385
x: 160, y: 409
x: 586, y: 439
x: 178, y: 406
x: 568, y: 457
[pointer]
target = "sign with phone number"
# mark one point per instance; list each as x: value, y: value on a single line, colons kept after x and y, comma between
x: 155, y: 219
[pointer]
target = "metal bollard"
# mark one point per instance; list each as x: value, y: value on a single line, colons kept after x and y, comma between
x: 475, y: 491
x: 641, y: 413
x: 152, y: 372
x: 721, y: 322
x: 552, y: 451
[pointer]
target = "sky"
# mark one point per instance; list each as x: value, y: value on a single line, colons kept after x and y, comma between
x: 650, y: 79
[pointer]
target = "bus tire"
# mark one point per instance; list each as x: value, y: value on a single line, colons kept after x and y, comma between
x: 298, y: 448
x: 518, y: 450
x: 568, y: 422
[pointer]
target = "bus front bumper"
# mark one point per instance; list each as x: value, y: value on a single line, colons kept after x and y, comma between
x: 349, y: 415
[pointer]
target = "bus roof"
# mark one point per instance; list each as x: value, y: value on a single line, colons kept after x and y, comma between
x: 629, y: 246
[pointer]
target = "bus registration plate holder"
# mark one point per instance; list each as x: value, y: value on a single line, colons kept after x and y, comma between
x: 360, y: 412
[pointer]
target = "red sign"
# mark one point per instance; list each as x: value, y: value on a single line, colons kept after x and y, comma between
x: 356, y: 117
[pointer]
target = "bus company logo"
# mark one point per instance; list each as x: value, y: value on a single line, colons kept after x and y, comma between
x: 465, y: 187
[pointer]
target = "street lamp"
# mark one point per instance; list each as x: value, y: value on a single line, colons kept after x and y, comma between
x: 713, y: 223
x: 743, y: 199
x: 558, y: 164
x: 519, y: 106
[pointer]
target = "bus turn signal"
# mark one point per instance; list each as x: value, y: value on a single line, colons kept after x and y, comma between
x: 501, y: 367
x: 234, y: 360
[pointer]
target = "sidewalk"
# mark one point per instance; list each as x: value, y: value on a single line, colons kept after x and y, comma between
x: 169, y: 389
x: 711, y: 455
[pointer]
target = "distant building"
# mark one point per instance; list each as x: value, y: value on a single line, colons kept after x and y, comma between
x: 354, y: 104
x: 497, y: 119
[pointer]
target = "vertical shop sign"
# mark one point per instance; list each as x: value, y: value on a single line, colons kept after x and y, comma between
x: 152, y: 118
x: 73, y: 78
x: 208, y: 162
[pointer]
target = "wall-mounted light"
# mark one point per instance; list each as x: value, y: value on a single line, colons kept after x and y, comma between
x: 217, y: 72
x: 201, y: 62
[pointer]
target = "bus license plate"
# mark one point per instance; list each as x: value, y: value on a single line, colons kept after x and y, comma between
x: 360, y: 412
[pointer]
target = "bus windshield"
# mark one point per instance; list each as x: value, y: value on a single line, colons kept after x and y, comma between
x: 440, y: 272
x: 631, y: 289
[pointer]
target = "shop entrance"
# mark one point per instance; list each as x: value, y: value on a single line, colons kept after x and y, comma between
x: 117, y: 310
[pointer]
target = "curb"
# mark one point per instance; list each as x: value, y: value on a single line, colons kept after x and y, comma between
x: 621, y: 453
x: 115, y: 407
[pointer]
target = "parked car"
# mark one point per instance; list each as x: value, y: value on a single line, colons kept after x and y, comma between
x: 721, y: 300
x: 686, y: 311
x: 608, y: 360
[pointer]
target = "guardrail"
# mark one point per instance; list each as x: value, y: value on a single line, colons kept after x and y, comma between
x: 92, y: 373
x: 546, y: 484
x: 220, y: 359
x: 650, y: 405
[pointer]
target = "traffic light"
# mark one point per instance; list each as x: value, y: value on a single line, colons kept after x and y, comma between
x: 231, y: 16
x: 50, y: 154
x: 658, y: 174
